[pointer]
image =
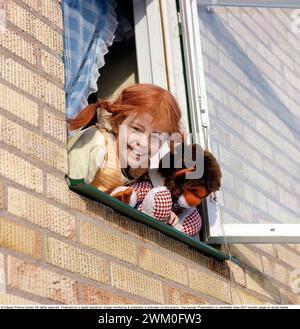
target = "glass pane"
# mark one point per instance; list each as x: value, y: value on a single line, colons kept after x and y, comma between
x: 252, y: 74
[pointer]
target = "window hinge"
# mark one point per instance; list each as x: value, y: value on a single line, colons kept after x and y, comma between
x: 179, y: 23
x: 203, y: 111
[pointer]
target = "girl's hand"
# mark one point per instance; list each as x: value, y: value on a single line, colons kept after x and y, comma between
x: 173, y: 220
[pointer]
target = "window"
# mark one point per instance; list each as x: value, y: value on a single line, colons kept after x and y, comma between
x: 242, y: 63
x: 153, y: 56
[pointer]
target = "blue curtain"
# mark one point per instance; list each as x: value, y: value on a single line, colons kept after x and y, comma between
x: 88, y: 30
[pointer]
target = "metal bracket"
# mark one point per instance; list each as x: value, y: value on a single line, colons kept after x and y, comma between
x: 210, y: 9
x: 179, y: 23
x: 204, y: 119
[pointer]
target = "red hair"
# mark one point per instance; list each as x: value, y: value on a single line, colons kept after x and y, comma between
x: 136, y: 100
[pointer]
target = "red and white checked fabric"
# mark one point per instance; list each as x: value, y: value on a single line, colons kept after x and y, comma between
x: 192, y: 223
x: 157, y: 202
x: 141, y: 189
x: 162, y: 205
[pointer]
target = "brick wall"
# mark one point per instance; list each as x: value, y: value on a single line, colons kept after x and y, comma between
x: 59, y: 247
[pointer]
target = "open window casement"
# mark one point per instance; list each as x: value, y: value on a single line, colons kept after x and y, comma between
x: 243, y: 76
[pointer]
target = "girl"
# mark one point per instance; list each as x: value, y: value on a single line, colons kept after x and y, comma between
x: 94, y: 152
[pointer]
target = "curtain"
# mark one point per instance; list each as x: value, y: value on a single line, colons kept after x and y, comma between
x: 89, y: 28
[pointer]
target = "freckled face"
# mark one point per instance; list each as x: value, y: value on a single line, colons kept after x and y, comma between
x: 140, y: 146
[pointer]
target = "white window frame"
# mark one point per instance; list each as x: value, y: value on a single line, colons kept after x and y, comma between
x: 158, y: 48
x: 215, y: 231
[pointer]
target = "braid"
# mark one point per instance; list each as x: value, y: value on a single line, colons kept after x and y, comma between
x: 106, y: 104
x: 88, y: 113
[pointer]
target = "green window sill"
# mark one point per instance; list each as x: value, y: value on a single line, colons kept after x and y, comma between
x: 78, y: 186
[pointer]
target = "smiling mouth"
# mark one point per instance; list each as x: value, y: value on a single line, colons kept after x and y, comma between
x: 138, y: 153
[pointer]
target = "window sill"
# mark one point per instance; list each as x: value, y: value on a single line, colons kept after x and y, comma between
x: 89, y: 191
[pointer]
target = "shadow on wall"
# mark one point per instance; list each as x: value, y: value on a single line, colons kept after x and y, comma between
x: 215, y: 25
x: 254, y: 274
